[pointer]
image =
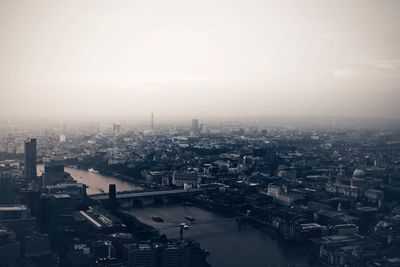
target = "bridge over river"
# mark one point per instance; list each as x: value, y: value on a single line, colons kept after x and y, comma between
x: 150, y: 194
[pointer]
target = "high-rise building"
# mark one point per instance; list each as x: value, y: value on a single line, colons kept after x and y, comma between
x: 30, y: 159
x: 62, y: 207
x: 195, y: 126
x: 140, y: 255
x: 9, y: 248
x: 117, y: 129
x: 182, y: 254
x: 272, y: 159
x: 6, y: 188
x: 53, y: 170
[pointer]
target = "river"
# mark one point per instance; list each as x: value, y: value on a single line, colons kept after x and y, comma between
x: 228, y: 245
x: 96, y: 182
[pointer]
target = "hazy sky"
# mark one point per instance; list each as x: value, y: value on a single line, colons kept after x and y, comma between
x: 199, y: 58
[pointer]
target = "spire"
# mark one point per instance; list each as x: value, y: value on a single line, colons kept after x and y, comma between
x: 339, y: 175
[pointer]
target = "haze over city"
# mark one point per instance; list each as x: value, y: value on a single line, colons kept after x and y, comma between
x: 72, y: 59
x: 209, y: 133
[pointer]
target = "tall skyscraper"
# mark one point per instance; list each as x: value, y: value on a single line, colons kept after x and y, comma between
x: 116, y: 129
x: 30, y: 159
x: 195, y: 126
x: 6, y: 188
x: 152, y: 121
x: 271, y: 157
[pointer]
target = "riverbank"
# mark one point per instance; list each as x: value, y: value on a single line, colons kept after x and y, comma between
x: 97, y: 183
x: 263, y: 226
x: 137, y: 182
x: 229, y: 245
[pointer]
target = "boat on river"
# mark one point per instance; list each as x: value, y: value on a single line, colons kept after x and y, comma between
x: 157, y: 219
x: 189, y: 218
x: 93, y: 170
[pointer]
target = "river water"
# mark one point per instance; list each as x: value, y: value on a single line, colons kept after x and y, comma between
x: 228, y: 245
x: 96, y: 182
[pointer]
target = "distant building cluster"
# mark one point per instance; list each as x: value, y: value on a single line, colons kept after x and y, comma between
x: 334, y: 190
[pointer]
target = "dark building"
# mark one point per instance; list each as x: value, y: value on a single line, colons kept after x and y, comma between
x: 112, y: 196
x: 31, y: 198
x: 9, y: 248
x: 36, y: 244
x: 95, y: 221
x: 63, y: 206
x: 142, y: 255
x: 55, y: 210
x: 53, y: 170
x: 174, y: 253
x: 30, y: 159
x: 6, y: 188
x: 271, y: 158
x: 112, y: 192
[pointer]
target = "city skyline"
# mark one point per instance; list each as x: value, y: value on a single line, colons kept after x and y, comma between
x: 153, y: 133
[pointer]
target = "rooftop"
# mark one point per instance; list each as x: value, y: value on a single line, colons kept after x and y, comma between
x: 59, y: 196
x: 13, y: 208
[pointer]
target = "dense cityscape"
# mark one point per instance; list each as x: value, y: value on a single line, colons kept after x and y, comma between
x: 184, y: 133
x: 125, y: 194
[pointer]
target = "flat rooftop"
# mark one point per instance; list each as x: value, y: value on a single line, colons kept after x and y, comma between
x: 60, y: 196
x: 13, y: 208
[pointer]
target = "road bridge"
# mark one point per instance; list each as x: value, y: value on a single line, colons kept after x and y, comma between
x: 165, y: 193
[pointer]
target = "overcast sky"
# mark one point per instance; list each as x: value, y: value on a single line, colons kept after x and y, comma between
x: 199, y: 58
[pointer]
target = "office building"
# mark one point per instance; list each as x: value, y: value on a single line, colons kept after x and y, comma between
x: 116, y: 129
x: 188, y: 178
x: 141, y: 255
x: 36, y: 244
x: 195, y: 126
x: 18, y: 219
x: 174, y: 253
x: 53, y: 170
x: 30, y: 159
x: 9, y: 248
x: 63, y: 207
x: 6, y: 188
